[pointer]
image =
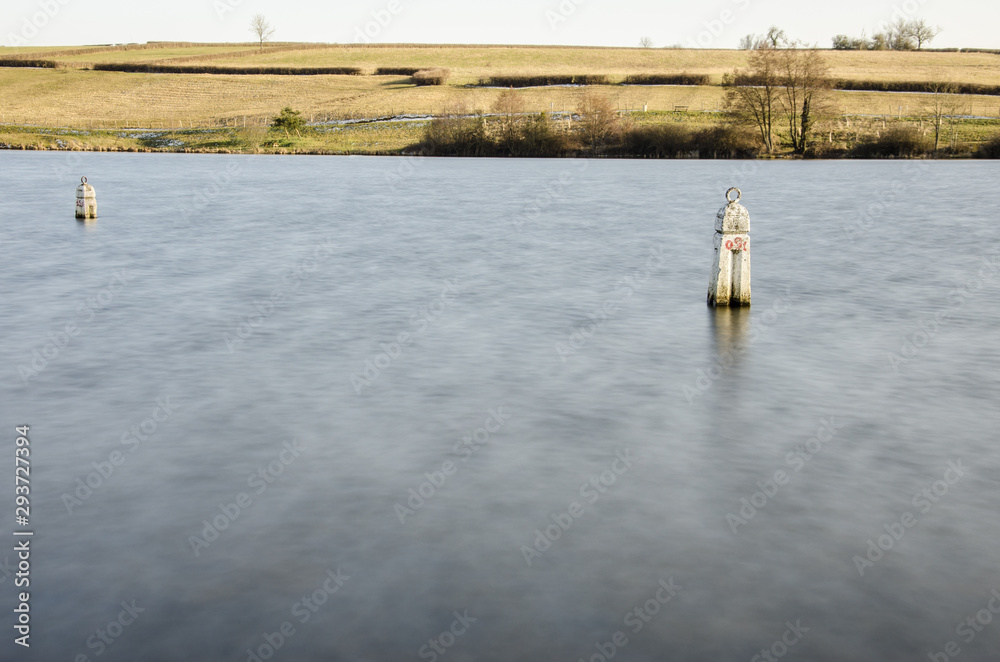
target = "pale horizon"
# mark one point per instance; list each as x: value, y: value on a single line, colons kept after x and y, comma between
x: 585, y: 23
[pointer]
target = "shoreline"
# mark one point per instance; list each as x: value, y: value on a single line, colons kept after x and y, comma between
x: 286, y: 152
x: 841, y: 139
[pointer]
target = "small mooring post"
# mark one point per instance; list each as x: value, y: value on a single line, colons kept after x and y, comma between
x: 730, y: 282
x: 86, y: 200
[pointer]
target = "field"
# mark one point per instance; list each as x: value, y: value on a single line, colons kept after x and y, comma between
x: 76, y: 97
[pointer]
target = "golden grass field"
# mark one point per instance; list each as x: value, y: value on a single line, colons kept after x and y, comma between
x: 75, y: 96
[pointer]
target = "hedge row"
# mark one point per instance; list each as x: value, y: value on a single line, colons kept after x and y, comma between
x: 17, y: 62
x: 916, y: 86
x: 667, y: 79
x: 238, y: 71
x: 541, y: 81
x: 396, y: 71
x: 896, y: 86
x: 593, y: 79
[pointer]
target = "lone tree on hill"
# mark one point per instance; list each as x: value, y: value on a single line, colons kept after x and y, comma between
x: 922, y: 32
x: 261, y: 28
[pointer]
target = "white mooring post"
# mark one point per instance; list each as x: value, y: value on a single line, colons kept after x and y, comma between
x: 730, y: 283
x: 86, y: 200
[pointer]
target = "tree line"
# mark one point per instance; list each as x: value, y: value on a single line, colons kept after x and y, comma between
x: 901, y: 35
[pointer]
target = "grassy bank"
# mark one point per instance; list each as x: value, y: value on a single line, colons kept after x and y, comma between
x: 647, y: 135
x: 373, y: 139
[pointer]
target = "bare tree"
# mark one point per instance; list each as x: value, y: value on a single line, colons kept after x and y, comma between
x: 753, y: 94
x: 260, y: 26
x: 900, y: 35
x: 599, y: 120
x: 749, y: 42
x: 939, y: 109
x: 510, y: 107
x: 645, y: 42
x: 776, y: 37
x: 922, y: 32
x: 779, y: 87
x: 805, y: 77
x: 880, y: 41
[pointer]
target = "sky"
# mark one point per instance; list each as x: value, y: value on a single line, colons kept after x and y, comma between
x: 698, y: 24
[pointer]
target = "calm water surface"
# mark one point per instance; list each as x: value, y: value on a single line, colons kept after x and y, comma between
x: 253, y: 361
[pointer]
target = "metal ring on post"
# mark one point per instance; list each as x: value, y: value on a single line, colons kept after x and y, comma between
x: 739, y: 195
x: 83, y: 180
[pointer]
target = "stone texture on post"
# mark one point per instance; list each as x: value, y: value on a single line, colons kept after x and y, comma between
x: 86, y: 200
x: 730, y: 283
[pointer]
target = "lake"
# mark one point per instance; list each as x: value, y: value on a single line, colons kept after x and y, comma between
x: 355, y: 408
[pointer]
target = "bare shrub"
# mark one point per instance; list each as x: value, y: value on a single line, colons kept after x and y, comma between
x: 431, y: 76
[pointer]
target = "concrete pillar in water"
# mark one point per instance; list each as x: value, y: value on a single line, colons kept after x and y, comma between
x: 86, y: 200
x: 730, y: 282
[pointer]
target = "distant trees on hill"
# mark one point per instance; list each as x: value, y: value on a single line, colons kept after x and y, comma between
x: 902, y: 35
x: 775, y: 38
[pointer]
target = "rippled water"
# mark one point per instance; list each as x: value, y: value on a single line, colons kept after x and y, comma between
x: 284, y: 348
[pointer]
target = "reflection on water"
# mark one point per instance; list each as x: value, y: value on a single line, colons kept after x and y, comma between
x: 232, y: 318
x: 730, y: 329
